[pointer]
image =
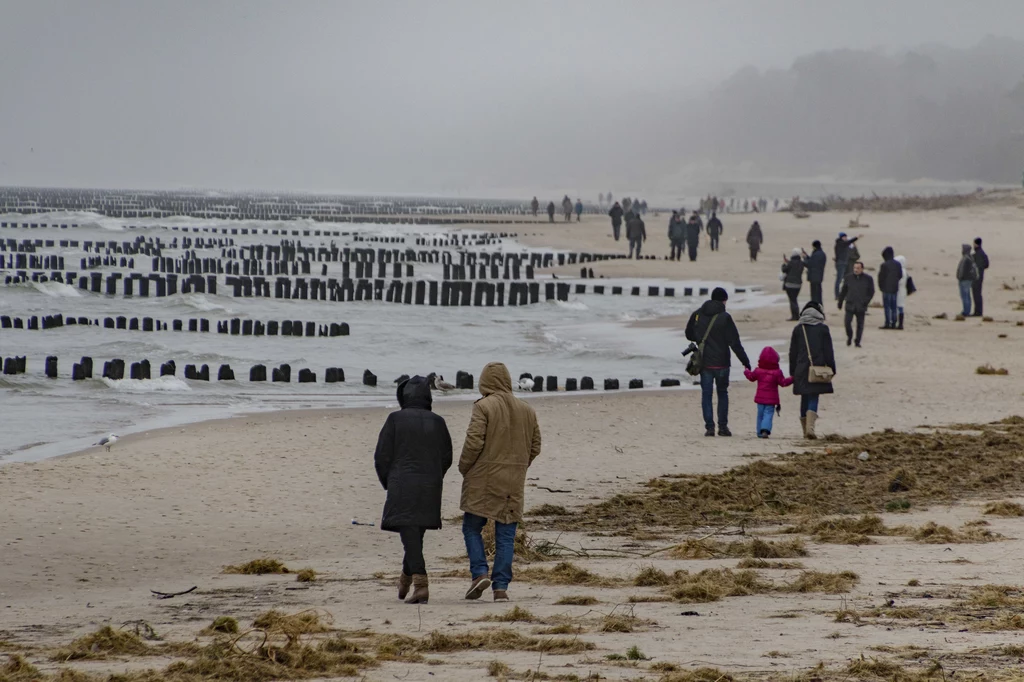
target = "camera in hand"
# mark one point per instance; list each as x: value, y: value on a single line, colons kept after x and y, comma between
x: 692, y: 347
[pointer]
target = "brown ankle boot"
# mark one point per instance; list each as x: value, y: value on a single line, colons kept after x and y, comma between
x: 420, y: 592
x: 404, y: 583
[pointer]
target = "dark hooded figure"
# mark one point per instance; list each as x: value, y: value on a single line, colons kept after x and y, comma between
x: 714, y: 227
x: 414, y: 451
x: 693, y: 230
x: 551, y: 211
x: 982, y: 264
x: 534, y: 207
x: 889, y: 275
x: 816, y: 263
x: 754, y: 240
x: 616, y: 215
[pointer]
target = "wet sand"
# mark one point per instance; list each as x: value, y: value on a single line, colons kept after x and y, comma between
x: 86, y: 537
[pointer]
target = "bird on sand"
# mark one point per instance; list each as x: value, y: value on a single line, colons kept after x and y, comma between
x: 438, y: 383
x: 107, y: 441
x: 526, y: 384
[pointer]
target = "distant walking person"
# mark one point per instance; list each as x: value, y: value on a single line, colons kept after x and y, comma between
x: 755, y: 238
x: 627, y: 206
x: 816, y: 263
x: 714, y: 228
x: 966, y: 275
x: 616, y: 215
x: 889, y: 275
x: 551, y: 211
x: 793, y: 281
x: 769, y: 379
x: 636, y: 233
x: 981, y: 262
x: 713, y: 328
x: 600, y: 199
x: 579, y: 209
x: 567, y: 208
x: 502, y: 441
x: 676, y: 236
x: 414, y: 451
x: 810, y: 350
x: 693, y: 229
x: 534, y: 207
x: 843, y: 258
x: 857, y: 291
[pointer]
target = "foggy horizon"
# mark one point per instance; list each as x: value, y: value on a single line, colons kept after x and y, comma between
x: 462, y: 99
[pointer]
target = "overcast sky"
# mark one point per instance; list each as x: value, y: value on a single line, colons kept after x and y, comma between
x: 389, y: 96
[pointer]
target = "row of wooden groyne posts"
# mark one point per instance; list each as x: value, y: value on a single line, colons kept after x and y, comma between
x: 142, y: 370
x: 234, y: 326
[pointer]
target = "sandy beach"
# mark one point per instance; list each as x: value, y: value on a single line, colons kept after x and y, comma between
x: 86, y: 537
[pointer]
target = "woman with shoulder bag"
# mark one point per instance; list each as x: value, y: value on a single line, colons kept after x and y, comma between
x: 812, y: 364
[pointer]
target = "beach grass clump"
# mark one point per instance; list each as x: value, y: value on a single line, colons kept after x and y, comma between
x: 499, y: 639
x: 17, y: 669
x: 498, y: 669
x: 770, y: 565
x: 549, y: 510
x: 225, y: 625
x: 988, y: 369
x: 516, y: 614
x: 566, y: 573
x: 698, y: 675
x: 971, y: 533
x: 577, y: 600
x: 305, y: 575
x: 103, y: 643
x: 294, y: 625
x: 997, y: 597
x: 756, y: 548
x: 713, y: 584
x: 845, y: 530
x: 936, y: 467
x: 1007, y: 509
x: 258, y: 567
x: 817, y: 581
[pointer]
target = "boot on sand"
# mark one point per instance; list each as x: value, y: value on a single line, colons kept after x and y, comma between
x: 899, y: 324
x: 420, y: 593
x: 803, y: 426
x: 404, y: 583
x: 812, y: 418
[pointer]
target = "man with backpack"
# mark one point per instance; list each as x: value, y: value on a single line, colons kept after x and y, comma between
x: 713, y: 329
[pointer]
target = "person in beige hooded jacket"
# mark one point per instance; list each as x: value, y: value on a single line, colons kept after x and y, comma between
x: 501, y: 443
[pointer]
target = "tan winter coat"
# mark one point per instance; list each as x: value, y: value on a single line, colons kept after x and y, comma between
x: 501, y: 443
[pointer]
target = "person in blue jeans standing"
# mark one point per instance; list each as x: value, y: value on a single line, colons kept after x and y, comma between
x: 890, y: 274
x: 713, y: 328
x: 501, y: 443
x: 966, y: 275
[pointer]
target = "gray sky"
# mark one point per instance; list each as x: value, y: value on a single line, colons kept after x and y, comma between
x: 392, y: 96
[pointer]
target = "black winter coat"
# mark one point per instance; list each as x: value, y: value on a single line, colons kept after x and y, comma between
x: 842, y: 250
x: 857, y: 292
x: 714, y: 227
x: 816, y: 263
x: 414, y: 451
x: 794, y: 269
x: 723, y: 337
x: 820, y: 340
x: 890, y: 273
x: 981, y: 261
x: 616, y: 215
x: 693, y: 230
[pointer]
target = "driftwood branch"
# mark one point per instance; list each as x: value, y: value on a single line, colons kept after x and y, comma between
x: 172, y: 595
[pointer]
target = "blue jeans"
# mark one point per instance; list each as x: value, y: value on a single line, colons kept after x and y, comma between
x: 504, y: 549
x: 808, y: 403
x: 891, y: 314
x: 765, y: 415
x: 965, y: 296
x: 840, y: 276
x: 711, y: 379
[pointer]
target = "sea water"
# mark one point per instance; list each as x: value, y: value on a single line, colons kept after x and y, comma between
x: 588, y: 335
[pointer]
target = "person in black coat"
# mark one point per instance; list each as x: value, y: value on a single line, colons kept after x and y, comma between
x: 792, y: 281
x: 714, y: 229
x: 857, y: 291
x: 723, y: 339
x: 981, y: 261
x: 889, y: 275
x: 693, y: 229
x: 815, y: 264
x: 811, y: 344
x: 616, y: 215
x: 414, y: 451
x: 755, y: 238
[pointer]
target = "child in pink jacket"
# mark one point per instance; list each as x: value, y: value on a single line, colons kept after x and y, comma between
x: 769, y: 378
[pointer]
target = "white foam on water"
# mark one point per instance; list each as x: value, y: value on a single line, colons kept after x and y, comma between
x: 572, y: 305
x: 56, y: 289
x: 200, y: 302
x: 160, y: 384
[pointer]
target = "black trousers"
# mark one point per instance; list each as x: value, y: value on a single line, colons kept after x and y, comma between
x: 714, y: 242
x: 816, y: 292
x: 616, y: 227
x: 677, y: 250
x: 849, y: 325
x: 691, y: 248
x: 794, y: 307
x: 412, y: 541
x: 753, y: 254
x: 976, y: 291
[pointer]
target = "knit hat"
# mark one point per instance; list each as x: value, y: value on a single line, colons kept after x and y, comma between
x: 720, y: 294
x: 842, y: 234
x: 816, y: 244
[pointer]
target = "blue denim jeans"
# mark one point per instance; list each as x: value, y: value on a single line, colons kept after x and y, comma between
x: 711, y: 379
x: 808, y: 403
x: 765, y: 415
x: 840, y: 276
x: 504, y: 549
x: 965, y: 296
x: 891, y: 313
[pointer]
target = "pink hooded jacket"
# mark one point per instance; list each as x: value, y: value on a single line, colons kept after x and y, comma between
x: 768, y: 377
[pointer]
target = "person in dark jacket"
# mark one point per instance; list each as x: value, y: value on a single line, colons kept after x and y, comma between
x: 815, y: 264
x: 981, y: 262
x: 414, y: 451
x: 714, y: 229
x: 616, y: 215
x: 579, y: 209
x: 755, y: 238
x: 723, y: 339
x: 844, y: 259
x: 551, y: 211
x: 693, y: 230
x: 792, y: 281
x: 534, y: 207
x: 676, y: 236
x: 857, y: 291
x: 889, y: 275
x: 636, y: 233
x: 811, y: 344
x: 966, y: 276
